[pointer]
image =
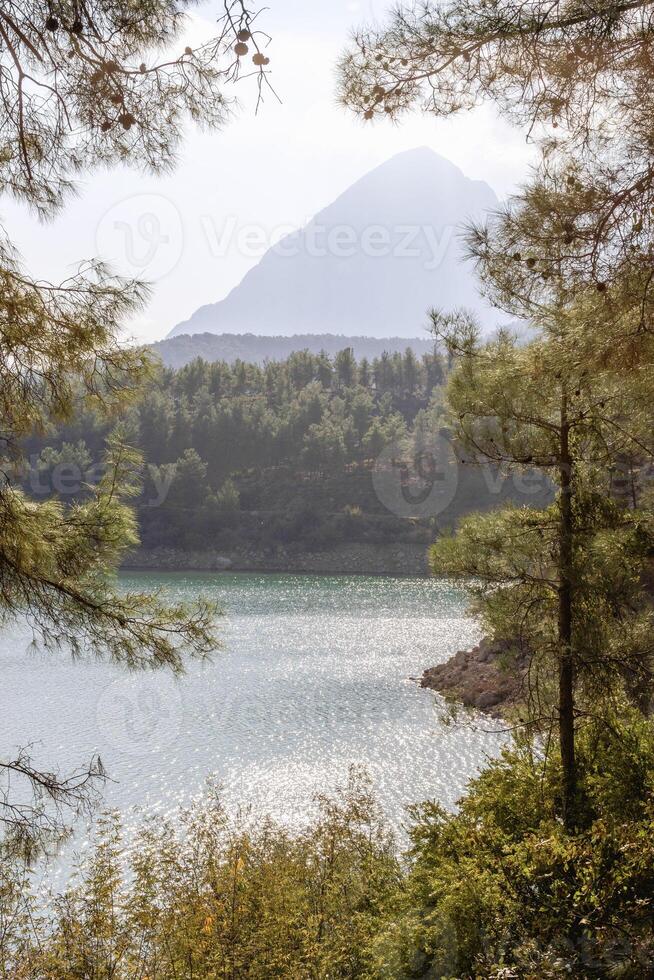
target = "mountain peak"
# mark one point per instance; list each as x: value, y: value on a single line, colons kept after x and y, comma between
x: 372, y: 262
x: 420, y: 154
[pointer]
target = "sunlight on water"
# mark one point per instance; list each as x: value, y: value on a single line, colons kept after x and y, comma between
x: 316, y: 674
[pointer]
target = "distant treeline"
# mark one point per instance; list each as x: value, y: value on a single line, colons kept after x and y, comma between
x: 179, y: 351
x: 246, y: 456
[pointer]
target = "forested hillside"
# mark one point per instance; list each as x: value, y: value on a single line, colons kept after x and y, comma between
x: 270, y: 459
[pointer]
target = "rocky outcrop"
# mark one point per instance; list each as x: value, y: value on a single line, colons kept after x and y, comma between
x: 490, y: 677
x: 352, y: 559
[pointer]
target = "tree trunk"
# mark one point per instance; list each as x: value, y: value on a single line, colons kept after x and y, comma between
x: 566, y: 661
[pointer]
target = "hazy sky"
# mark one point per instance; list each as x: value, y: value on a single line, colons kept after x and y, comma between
x: 196, y: 232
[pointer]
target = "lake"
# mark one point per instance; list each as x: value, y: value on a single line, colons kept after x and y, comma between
x: 316, y: 674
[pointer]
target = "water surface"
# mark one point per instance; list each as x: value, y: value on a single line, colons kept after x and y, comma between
x: 316, y: 674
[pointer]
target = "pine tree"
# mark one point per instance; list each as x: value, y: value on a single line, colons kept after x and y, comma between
x: 577, y: 79
x: 563, y: 584
x: 572, y: 253
x: 83, y: 87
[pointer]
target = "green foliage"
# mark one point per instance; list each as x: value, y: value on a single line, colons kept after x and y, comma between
x: 547, y: 869
x: 501, y: 890
x: 305, y: 408
x: 84, y: 86
x: 498, y: 889
x: 576, y: 80
x: 213, y: 897
x: 58, y: 565
x: 227, y: 440
x: 564, y: 584
x: 228, y: 499
x: 66, y: 556
x: 291, y: 439
x: 90, y: 86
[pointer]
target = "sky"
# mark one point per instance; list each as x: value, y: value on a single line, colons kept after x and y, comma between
x: 194, y: 234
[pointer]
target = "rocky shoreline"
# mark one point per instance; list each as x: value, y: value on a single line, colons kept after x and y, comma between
x: 352, y: 559
x: 485, y: 678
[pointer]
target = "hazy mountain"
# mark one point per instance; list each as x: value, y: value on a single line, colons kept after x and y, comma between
x: 175, y: 352
x: 371, y: 263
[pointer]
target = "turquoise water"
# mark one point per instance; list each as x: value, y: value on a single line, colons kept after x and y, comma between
x: 315, y: 674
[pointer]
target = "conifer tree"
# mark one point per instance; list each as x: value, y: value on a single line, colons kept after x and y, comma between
x: 86, y: 84
x: 577, y: 79
x: 573, y: 254
x: 563, y: 585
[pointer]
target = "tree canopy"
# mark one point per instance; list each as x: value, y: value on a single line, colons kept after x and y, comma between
x: 573, y: 253
x: 576, y: 79
x: 82, y: 85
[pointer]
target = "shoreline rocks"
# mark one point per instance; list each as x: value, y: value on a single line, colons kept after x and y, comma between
x: 489, y: 678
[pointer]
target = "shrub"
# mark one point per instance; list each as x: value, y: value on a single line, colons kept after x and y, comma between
x: 213, y: 897
x: 499, y: 886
